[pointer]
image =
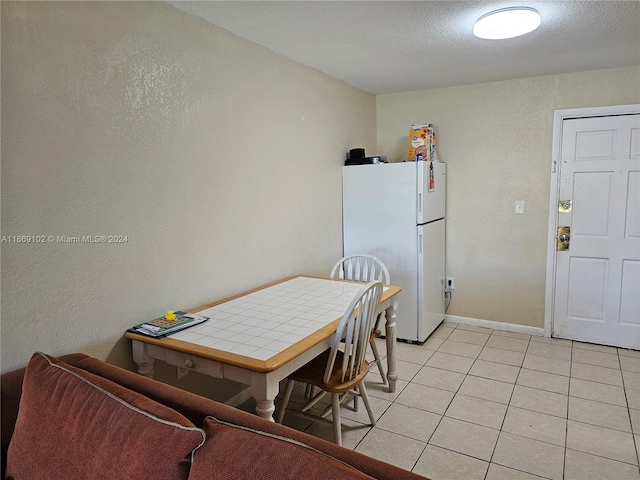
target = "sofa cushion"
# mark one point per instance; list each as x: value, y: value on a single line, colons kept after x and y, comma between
x: 73, y: 424
x: 241, y: 453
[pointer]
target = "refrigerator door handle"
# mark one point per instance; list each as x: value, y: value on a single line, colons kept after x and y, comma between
x: 420, y: 205
x: 420, y: 242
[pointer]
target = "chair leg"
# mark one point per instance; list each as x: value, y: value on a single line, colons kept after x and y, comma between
x: 337, y: 426
x: 343, y: 399
x: 309, y: 391
x: 285, y: 400
x: 374, y: 349
x: 365, y: 400
x: 314, y: 400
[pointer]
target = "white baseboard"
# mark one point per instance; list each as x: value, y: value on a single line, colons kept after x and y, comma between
x: 507, y: 327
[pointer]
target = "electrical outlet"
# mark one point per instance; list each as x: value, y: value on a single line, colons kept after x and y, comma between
x: 450, y: 284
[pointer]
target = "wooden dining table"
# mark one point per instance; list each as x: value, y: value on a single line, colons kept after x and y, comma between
x: 261, y: 336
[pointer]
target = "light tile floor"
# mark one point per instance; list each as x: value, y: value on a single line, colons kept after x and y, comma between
x: 477, y: 403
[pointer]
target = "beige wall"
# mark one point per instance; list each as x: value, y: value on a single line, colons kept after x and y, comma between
x: 496, y: 139
x: 220, y: 161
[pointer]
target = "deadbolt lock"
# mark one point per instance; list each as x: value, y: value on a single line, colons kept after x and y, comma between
x: 563, y: 238
x: 564, y: 206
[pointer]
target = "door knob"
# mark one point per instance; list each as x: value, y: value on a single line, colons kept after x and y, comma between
x: 563, y: 238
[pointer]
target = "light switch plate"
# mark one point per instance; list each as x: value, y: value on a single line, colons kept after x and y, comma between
x: 519, y: 207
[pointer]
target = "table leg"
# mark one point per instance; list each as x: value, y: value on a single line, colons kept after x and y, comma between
x: 145, y: 363
x: 264, y: 389
x: 265, y: 409
x: 392, y: 374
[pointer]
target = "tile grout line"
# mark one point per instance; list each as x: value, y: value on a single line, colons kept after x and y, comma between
x: 441, y: 416
x: 393, y: 402
x: 508, y: 405
x: 566, y: 428
x: 626, y: 398
x: 466, y: 375
x: 456, y: 393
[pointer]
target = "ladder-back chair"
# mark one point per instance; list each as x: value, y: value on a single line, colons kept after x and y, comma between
x: 340, y: 371
x: 365, y: 268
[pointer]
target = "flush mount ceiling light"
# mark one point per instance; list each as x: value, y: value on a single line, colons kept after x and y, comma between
x: 507, y: 23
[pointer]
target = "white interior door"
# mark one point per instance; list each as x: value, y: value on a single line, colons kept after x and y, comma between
x: 597, y: 280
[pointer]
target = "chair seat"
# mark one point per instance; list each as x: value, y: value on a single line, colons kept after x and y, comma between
x: 313, y: 373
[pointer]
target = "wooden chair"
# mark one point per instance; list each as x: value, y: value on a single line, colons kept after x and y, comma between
x: 365, y: 268
x: 337, y: 371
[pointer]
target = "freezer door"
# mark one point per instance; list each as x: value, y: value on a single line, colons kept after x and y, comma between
x: 383, y: 195
x: 431, y: 277
x: 431, y: 191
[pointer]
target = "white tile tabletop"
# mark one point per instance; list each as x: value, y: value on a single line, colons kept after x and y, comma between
x: 266, y: 322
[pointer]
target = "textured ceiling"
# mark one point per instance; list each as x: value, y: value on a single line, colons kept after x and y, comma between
x: 397, y: 46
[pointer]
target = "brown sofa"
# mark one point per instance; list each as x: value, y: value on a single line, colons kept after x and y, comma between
x: 76, y: 417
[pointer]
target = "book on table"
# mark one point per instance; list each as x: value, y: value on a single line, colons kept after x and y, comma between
x: 161, y: 327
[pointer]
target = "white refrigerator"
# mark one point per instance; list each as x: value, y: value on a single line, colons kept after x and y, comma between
x: 396, y: 212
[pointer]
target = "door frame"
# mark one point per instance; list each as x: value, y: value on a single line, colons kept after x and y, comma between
x: 559, y: 116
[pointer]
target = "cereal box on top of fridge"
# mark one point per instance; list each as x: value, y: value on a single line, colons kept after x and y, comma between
x: 422, y: 142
